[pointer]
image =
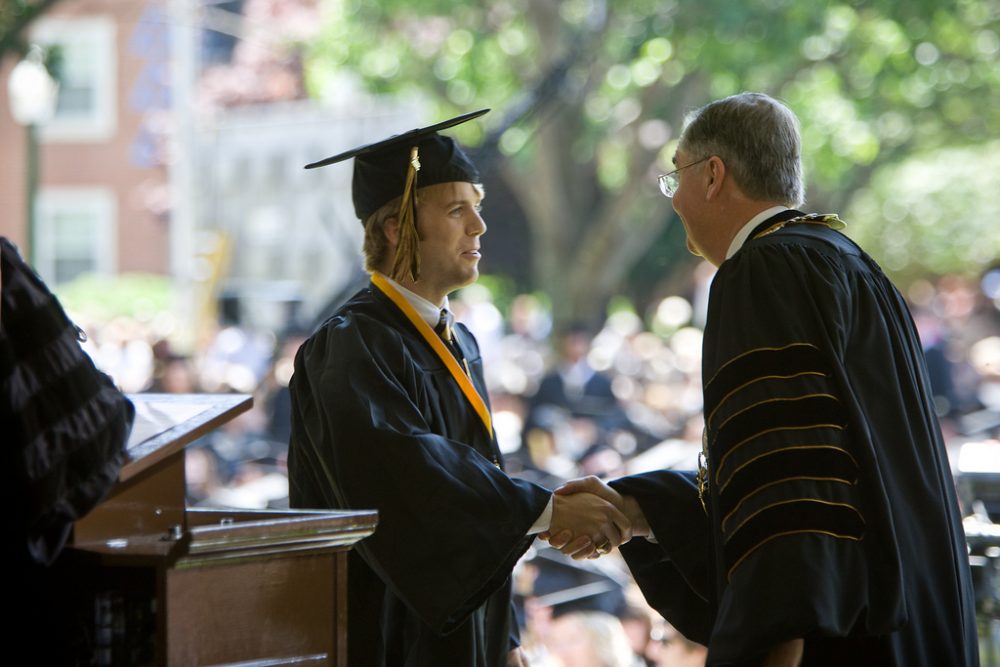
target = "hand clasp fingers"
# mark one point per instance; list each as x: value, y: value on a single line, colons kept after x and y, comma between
x: 581, y: 547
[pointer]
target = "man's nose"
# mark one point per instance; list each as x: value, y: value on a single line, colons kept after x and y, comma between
x: 477, y: 226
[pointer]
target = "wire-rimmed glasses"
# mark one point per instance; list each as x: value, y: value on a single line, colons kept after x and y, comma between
x: 669, y: 182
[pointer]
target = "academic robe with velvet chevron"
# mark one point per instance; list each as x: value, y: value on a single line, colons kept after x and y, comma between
x: 830, y: 511
x: 379, y: 423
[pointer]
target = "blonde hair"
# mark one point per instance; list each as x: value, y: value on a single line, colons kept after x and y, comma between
x: 376, y: 245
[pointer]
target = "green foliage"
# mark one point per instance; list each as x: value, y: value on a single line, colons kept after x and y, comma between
x: 15, y: 16
x: 932, y: 214
x: 590, y: 94
x: 136, y: 296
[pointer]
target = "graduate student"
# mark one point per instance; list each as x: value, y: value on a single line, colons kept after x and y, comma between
x: 390, y: 412
x: 823, y: 527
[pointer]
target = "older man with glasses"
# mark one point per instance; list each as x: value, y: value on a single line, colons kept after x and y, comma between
x: 822, y: 527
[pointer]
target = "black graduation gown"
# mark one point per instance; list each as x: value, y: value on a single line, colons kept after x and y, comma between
x: 379, y: 423
x: 831, y: 512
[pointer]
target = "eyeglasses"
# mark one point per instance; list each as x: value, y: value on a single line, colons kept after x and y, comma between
x: 669, y: 181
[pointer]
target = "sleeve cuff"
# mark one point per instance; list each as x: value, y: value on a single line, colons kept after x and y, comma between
x: 544, y: 520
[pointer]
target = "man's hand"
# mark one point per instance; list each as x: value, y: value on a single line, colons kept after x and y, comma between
x: 516, y: 658
x: 786, y: 654
x: 587, y: 526
x: 574, y: 544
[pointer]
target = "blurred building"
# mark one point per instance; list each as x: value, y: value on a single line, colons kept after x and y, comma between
x: 102, y: 195
x: 295, y: 240
x: 177, y: 149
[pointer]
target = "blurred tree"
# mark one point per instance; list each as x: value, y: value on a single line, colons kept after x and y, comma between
x: 15, y: 16
x: 591, y: 94
x: 936, y: 213
x: 138, y: 296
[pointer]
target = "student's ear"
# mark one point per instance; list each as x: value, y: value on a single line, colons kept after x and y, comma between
x: 391, y: 230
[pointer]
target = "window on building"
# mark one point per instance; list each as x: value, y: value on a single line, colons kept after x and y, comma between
x: 74, y: 233
x: 86, y: 107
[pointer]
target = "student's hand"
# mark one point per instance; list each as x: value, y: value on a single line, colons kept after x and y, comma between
x: 626, y: 504
x: 586, y: 526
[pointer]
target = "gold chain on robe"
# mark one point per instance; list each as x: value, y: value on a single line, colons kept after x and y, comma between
x: 826, y: 219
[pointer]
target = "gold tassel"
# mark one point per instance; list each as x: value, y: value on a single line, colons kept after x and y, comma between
x: 406, y: 263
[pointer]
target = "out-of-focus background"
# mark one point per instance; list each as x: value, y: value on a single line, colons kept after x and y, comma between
x: 151, y: 157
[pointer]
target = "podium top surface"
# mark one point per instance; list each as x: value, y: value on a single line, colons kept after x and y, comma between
x: 165, y: 423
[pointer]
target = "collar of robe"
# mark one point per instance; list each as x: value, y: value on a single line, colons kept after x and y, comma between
x: 793, y: 217
x: 459, y: 375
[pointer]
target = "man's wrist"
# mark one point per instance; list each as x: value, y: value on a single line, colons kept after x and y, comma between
x: 631, y: 509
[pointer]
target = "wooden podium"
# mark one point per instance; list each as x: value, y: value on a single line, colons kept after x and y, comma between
x: 172, y: 585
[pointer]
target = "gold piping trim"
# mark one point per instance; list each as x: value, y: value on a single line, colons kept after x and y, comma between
x: 729, y: 574
x: 723, y: 485
x: 773, y: 400
x: 758, y: 349
x: 803, y: 478
x: 722, y: 461
x: 760, y: 379
x: 789, y: 502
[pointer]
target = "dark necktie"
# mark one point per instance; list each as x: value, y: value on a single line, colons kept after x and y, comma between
x: 444, y: 330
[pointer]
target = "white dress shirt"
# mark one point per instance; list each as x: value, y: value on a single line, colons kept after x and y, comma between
x: 744, y: 233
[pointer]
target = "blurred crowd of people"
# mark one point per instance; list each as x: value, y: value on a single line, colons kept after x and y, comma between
x: 568, y: 401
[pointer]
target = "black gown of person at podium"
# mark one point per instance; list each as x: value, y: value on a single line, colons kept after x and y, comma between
x: 63, y: 426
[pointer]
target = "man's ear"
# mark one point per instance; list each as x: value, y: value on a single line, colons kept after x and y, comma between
x: 391, y: 230
x: 715, y: 174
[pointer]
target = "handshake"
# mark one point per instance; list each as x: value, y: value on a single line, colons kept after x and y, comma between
x: 589, y: 519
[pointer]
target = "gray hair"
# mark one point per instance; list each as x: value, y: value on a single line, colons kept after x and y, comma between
x: 757, y: 137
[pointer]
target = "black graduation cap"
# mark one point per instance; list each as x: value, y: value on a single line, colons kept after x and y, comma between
x: 396, y: 167
x: 380, y: 169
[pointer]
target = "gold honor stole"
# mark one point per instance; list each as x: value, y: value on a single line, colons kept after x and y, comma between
x: 460, y: 376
